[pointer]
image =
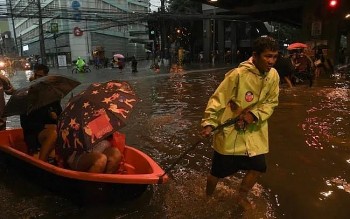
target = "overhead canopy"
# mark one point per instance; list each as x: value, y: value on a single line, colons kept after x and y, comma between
x: 286, y: 11
x: 139, y: 40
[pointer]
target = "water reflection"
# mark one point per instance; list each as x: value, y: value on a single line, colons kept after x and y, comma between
x: 325, y: 125
x: 309, y: 154
x: 339, y: 183
x: 186, y: 198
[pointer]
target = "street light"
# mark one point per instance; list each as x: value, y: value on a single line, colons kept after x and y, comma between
x: 333, y: 3
x: 163, y: 42
x: 13, y: 27
x: 213, y: 36
x: 55, y: 35
x: 41, y: 32
x: 54, y: 31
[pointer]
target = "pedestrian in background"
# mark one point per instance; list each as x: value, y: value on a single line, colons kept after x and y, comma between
x: 133, y: 64
x: 284, y: 68
x: 5, y: 88
x: 80, y: 64
x: 248, y: 93
x: 121, y: 64
x: 319, y: 63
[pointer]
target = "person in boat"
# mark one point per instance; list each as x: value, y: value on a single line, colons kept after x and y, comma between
x: 40, y: 125
x: 104, y: 157
x: 5, y: 88
x: 249, y: 93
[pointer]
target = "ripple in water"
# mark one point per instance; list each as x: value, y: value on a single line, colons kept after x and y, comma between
x: 186, y: 198
x: 328, y: 130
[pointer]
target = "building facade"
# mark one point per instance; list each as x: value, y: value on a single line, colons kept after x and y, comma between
x: 7, y: 46
x: 77, y: 28
x: 228, y: 38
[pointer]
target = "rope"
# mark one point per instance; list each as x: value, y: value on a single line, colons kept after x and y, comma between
x: 227, y: 123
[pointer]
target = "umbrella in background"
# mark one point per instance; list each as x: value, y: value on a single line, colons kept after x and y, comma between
x: 92, y: 115
x: 38, y: 93
x: 118, y: 56
x: 296, y: 46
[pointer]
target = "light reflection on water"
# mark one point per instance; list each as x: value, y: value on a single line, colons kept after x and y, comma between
x: 308, y: 133
x: 328, y: 120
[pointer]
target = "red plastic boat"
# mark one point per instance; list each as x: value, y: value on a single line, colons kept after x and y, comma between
x: 140, y: 169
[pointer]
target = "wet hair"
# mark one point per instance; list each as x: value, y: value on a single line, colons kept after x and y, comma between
x: 43, y: 67
x: 265, y: 43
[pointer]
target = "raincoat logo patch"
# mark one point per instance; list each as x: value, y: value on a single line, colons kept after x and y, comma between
x: 249, y: 96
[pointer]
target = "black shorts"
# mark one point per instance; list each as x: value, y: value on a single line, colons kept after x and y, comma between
x: 226, y: 165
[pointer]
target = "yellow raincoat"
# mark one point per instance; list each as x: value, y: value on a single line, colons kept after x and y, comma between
x: 249, y: 89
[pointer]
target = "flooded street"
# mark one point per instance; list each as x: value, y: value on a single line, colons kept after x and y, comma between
x: 308, y: 173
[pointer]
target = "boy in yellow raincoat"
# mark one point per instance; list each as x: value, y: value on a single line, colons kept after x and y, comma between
x: 250, y: 94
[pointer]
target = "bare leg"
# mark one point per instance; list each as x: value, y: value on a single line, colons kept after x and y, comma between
x: 47, y: 139
x: 99, y: 165
x: 249, y: 180
x: 114, y: 158
x: 93, y: 162
x: 288, y: 82
x: 212, y: 181
x: 317, y: 72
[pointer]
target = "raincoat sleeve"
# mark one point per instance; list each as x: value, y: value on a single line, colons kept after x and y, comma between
x: 80, y: 63
x: 264, y: 110
x: 219, y: 100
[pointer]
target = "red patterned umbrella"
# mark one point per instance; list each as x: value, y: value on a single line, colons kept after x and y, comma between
x: 297, y: 46
x: 93, y: 115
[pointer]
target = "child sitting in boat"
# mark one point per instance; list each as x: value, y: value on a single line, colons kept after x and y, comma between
x: 40, y: 125
x: 103, y: 158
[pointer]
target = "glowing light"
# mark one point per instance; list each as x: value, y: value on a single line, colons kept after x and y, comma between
x: 333, y: 3
x: 326, y: 194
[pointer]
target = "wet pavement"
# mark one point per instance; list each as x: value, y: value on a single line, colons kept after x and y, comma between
x: 308, y: 164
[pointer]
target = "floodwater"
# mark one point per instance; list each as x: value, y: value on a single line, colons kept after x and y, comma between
x: 308, y: 164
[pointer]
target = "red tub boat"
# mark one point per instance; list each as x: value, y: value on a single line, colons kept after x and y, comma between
x: 140, y: 171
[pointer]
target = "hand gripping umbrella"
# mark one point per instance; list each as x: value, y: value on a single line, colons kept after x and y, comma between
x: 38, y: 93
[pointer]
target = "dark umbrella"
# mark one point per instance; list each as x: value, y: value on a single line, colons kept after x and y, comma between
x: 38, y: 93
x: 92, y: 115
